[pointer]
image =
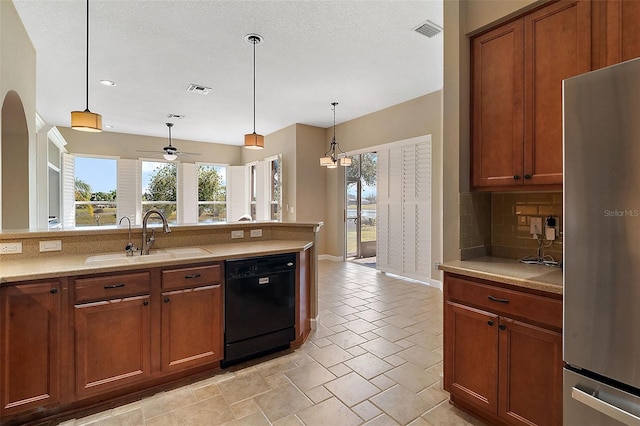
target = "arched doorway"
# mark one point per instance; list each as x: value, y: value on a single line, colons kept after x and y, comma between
x: 15, y: 164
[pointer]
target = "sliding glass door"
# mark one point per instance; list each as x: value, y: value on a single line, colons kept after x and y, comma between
x: 361, y: 207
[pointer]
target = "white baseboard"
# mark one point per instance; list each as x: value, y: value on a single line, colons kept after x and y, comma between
x: 436, y: 283
x: 330, y: 257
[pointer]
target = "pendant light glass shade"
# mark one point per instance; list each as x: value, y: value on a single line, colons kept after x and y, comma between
x: 335, y: 155
x: 254, y: 140
x: 86, y: 120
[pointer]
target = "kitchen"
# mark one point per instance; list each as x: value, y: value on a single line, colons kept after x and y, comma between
x: 466, y: 18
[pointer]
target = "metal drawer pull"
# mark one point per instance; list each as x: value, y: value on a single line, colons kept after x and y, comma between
x: 107, y: 287
x: 192, y: 276
x: 495, y: 299
x: 53, y: 290
x: 604, y: 407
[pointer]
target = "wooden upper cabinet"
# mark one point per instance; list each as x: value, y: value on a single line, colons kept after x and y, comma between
x: 621, y: 30
x: 498, y: 89
x: 557, y: 46
x: 518, y: 70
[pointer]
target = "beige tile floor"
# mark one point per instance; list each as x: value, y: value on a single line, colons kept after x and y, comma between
x: 375, y: 359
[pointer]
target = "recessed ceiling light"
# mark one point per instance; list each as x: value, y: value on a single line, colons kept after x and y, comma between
x: 108, y: 126
x: 107, y: 83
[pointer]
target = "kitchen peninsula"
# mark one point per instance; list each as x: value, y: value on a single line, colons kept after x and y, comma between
x: 88, y: 327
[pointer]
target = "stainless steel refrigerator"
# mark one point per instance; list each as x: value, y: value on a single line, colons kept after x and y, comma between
x: 601, y: 344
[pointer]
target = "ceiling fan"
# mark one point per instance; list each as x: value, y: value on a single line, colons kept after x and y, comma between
x: 170, y: 152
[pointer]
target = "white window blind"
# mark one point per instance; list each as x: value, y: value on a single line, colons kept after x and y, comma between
x: 404, y: 203
x: 68, y: 191
x: 128, y: 191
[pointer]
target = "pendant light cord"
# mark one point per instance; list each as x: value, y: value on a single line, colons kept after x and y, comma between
x: 254, y: 84
x: 87, y: 67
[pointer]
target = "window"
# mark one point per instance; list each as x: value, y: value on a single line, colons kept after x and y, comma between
x: 276, y: 189
x: 95, y: 191
x: 159, y: 183
x: 212, y: 193
x: 254, y: 189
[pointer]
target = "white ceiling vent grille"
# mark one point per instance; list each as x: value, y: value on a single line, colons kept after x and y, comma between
x: 196, y: 88
x: 429, y: 29
x: 175, y: 116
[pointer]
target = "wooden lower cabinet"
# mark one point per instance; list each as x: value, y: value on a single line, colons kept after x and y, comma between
x: 30, y: 349
x: 496, y: 364
x: 191, y: 327
x: 112, y: 344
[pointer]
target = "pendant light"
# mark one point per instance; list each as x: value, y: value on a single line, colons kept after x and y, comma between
x: 254, y: 140
x: 335, y: 155
x: 86, y: 120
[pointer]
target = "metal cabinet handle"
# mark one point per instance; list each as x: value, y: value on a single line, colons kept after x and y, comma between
x: 166, y: 300
x: 53, y: 290
x: 604, y: 407
x: 192, y: 276
x: 490, y: 323
x: 145, y: 303
x: 495, y: 299
x: 516, y: 177
x: 107, y: 287
x: 502, y: 327
x: 527, y: 176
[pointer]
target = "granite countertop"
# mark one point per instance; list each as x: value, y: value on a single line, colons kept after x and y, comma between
x: 509, y: 271
x: 12, y: 271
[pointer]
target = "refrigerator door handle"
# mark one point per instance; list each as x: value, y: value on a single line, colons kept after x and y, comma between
x: 605, y: 407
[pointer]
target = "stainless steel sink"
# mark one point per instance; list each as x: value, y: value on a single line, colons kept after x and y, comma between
x: 114, y: 259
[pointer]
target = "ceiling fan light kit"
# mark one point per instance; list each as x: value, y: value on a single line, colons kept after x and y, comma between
x: 254, y: 140
x: 86, y: 120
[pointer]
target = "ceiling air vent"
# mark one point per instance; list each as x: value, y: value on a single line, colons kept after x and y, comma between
x: 429, y: 29
x: 196, y: 88
x: 175, y: 116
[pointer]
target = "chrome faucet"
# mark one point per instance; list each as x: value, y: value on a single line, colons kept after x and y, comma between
x: 130, y: 248
x: 148, y: 243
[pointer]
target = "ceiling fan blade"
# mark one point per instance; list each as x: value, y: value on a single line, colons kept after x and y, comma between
x: 187, y: 153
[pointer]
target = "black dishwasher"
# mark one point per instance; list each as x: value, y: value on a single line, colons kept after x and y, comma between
x: 259, y: 302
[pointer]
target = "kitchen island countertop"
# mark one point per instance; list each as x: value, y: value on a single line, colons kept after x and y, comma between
x: 12, y: 271
x: 508, y: 271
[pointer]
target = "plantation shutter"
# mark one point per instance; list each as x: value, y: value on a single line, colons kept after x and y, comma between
x: 237, y: 192
x: 68, y: 191
x: 404, y: 210
x: 129, y: 190
x: 187, y: 193
x: 263, y: 190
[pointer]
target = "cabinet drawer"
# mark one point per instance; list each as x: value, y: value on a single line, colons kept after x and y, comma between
x: 191, y: 277
x: 516, y: 304
x: 112, y: 286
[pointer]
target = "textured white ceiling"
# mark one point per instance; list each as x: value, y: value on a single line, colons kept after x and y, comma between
x: 363, y: 54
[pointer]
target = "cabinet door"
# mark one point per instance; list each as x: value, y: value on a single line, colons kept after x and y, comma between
x: 557, y: 46
x: 30, y: 346
x: 497, y: 116
x: 112, y: 344
x: 530, y: 374
x: 471, y: 356
x: 191, y: 327
x: 622, y: 31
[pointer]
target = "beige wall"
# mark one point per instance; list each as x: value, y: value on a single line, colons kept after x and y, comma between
x: 18, y: 74
x: 460, y: 19
x: 127, y: 146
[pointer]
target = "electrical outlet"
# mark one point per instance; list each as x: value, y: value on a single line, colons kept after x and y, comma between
x: 237, y: 234
x: 256, y: 233
x: 11, y: 248
x: 535, y: 225
x: 51, y: 245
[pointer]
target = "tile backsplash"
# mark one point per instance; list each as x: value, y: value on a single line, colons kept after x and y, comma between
x: 499, y: 224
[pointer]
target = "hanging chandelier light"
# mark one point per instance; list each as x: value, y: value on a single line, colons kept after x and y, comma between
x: 335, y: 155
x: 254, y: 140
x: 86, y: 120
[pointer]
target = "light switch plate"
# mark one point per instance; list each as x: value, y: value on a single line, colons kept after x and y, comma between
x: 237, y: 234
x: 51, y: 245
